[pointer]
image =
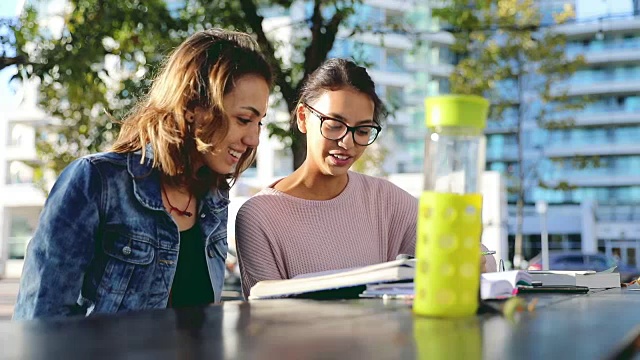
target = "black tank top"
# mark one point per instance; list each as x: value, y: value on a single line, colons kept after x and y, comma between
x: 191, y: 283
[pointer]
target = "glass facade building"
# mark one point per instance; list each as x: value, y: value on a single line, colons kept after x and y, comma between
x: 605, y: 132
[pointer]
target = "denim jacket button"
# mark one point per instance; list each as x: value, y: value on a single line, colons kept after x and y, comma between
x: 126, y: 250
x: 202, y: 216
x: 210, y: 253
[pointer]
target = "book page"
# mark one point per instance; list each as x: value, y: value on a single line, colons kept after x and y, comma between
x: 513, y: 277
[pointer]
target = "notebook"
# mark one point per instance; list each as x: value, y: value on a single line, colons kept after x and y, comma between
x: 495, y: 285
x: 347, y: 283
x: 502, y: 284
x: 593, y: 280
x: 399, y: 289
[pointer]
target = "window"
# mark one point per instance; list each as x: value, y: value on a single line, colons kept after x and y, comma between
x: 601, y: 262
x: 19, y: 134
x: 20, y: 231
x: 570, y: 260
x: 19, y: 173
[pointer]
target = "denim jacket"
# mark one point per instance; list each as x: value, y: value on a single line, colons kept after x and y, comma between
x: 105, y: 242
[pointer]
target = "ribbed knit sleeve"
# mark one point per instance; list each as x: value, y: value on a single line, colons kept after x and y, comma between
x: 279, y: 236
x: 402, y: 227
x: 256, y: 256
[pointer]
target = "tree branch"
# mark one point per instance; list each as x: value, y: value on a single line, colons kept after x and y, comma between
x: 254, y: 20
x: 6, y: 61
x: 322, y: 38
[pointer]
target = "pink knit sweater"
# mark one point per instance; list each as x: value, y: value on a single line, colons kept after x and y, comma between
x: 279, y: 236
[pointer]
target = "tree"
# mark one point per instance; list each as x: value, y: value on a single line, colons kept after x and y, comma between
x: 90, y: 61
x: 94, y: 67
x: 7, y: 42
x: 512, y: 58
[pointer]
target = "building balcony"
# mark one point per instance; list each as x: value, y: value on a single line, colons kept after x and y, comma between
x: 21, y: 153
x: 561, y: 219
x: 400, y: 118
x: 595, y: 177
x: 21, y: 195
x: 17, y: 246
x: 441, y: 70
x: 500, y: 130
x: 382, y: 77
x: 612, y: 48
x: 412, y: 134
x: 580, y: 29
x: 604, y: 87
x: 567, y: 149
x: 507, y: 126
x: 613, y: 56
x: 618, y: 214
x: 397, y: 5
x: 439, y: 38
x: 33, y: 116
x: 612, y: 118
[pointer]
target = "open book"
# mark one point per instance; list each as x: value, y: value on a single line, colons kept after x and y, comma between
x: 498, y: 285
x: 329, y: 284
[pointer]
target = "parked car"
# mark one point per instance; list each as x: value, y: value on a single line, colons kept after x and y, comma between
x: 575, y: 260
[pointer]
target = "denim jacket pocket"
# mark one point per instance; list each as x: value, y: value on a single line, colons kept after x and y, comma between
x: 132, y: 249
x: 128, y: 256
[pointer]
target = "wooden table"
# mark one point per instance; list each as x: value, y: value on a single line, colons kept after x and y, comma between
x: 563, y: 327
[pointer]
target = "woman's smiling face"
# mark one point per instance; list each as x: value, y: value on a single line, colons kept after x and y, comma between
x: 335, y: 157
x: 245, y: 107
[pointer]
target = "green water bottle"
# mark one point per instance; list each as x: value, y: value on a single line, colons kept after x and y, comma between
x: 450, y: 212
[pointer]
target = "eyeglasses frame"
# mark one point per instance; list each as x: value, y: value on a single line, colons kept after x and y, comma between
x: 350, y: 129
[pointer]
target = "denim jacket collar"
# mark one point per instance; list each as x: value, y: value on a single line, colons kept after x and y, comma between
x: 146, y: 181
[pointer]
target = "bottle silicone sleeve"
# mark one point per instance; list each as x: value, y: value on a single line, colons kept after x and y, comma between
x: 447, y: 339
x: 447, y: 276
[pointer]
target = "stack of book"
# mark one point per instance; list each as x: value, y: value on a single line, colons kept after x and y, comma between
x: 591, y: 279
x: 348, y: 283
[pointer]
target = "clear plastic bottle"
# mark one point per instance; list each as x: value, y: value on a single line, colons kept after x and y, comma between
x: 450, y: 214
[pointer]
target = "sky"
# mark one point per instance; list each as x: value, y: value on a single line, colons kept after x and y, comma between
x: 8, y: 8
x: 591, y: 9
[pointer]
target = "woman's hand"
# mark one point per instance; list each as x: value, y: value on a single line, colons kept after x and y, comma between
x: 487, y: 262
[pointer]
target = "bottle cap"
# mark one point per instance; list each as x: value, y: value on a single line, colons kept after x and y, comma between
x: 456, y: 110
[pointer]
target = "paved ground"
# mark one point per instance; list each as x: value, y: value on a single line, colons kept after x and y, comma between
x: 8, y: 292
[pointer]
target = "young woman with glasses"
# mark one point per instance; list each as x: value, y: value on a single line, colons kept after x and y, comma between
x: 145, y: 225
x: 323, y: 216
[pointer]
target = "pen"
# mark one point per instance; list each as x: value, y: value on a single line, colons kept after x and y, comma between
x: 397, y: 297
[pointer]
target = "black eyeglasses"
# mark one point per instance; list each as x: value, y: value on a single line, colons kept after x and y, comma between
x: 334, y: 129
